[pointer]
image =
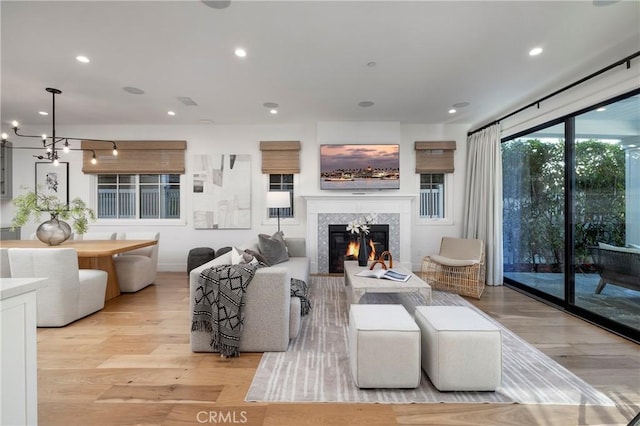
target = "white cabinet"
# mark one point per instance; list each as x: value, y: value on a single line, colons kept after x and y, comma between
x: 18, y: 352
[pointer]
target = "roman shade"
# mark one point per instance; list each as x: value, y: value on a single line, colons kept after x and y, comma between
x: 435, y: 157
x: 280, y: 157
x: 137, y: 157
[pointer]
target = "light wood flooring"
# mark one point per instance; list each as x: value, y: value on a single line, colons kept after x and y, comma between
x: 131, y: 364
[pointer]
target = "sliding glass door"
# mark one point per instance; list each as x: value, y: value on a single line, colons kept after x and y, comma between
x: 533, y: 199
x: 607, y: 213
x: 572, y: 213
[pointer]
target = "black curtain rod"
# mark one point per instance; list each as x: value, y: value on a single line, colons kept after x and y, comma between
x: 626, y: 60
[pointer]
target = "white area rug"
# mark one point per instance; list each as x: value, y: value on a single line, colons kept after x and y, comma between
x: 315, y: 368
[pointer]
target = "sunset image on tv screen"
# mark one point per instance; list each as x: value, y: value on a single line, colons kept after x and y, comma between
x: 364, y: 166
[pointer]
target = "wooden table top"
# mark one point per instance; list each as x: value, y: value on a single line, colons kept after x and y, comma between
x: 85, y: 248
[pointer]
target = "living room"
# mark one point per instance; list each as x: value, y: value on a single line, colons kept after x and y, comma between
x: 238, y: 126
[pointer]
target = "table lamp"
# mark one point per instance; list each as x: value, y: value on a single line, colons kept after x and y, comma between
x: 278, y: 200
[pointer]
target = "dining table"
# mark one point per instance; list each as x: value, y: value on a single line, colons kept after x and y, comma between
x: 92, y: 254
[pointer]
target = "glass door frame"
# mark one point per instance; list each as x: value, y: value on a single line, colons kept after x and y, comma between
x: 568, y: 303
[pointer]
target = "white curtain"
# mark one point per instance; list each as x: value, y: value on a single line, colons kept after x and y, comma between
x: 483, y: 197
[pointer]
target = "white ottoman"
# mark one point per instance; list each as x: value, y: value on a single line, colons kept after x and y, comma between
x: 384, y: 347
x: 461, y: 350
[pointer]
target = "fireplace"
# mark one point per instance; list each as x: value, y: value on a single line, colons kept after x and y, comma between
x: 343, y: 245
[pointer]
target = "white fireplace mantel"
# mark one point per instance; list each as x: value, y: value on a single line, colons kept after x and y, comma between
x: 358, y: 204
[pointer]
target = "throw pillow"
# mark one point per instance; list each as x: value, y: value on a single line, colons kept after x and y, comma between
x: 260, y: 258
x: 224, y: 259
x: 273, y: 248
x: 236, y: 256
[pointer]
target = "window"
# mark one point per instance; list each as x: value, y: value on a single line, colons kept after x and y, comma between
x: 431, y: 195
x: 281, y: 182
x: 148, y: 196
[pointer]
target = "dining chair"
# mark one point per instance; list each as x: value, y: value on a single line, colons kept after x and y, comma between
x: 70, y: 293
x: 137, y: 268
x: 96, y: 236
x: 5, y: 268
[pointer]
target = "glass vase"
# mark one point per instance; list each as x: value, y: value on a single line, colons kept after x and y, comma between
x: 53, y: 232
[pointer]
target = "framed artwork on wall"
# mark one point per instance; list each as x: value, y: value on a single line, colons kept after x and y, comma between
x: 53, y: 180
x: 222, y: 191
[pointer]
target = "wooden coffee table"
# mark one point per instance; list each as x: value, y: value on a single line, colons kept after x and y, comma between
x: 357, y: 286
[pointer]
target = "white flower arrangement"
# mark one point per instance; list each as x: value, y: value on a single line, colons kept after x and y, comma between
x: 362, y: 225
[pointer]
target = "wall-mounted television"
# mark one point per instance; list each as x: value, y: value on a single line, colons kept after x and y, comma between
x: 360, y: 166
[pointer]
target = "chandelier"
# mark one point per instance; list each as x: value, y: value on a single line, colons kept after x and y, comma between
x: 53, y: 144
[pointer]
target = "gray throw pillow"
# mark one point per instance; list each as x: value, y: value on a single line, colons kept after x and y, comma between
x: 257, y: 256
x: 273, y: 248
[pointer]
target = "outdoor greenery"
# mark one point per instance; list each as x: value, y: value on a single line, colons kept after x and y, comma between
x: 31, y: 206
x: 533, y: 193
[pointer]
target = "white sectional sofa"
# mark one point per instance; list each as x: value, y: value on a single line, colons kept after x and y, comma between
x: 272, y: 316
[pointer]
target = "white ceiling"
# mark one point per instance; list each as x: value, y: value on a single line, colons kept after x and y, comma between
x: 309, y: 57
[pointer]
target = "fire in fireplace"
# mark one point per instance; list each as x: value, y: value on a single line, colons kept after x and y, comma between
x: 344, y: 246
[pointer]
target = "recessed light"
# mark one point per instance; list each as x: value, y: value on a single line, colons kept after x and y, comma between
x: 187, y: 101
x: 43, y: 113
x: 171, y: 113
x: 452, y: 111
x: 599, y: 3
x: 133, y: 90
x: 601, y: 109
x: 535, y: 51
x: 273, y: 111
x: 240, y: 52
x: 270, y: 105
x: 371, y: 64
x: 217, y: 4
x: 82, y: 59
x: 366, y: 104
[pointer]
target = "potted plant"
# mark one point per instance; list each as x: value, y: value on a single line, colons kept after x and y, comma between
x: 32, y: 204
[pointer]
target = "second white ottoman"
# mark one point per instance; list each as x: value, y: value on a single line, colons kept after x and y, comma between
x: 461, y: 350
x: 384, y: 347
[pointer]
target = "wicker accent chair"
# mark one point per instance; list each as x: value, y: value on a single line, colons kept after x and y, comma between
x: 458, y: 268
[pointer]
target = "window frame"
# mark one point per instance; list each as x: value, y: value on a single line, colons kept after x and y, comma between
x: 139, y: 221
x: 567, y: 302
x: 449, y: 189
x: 293, y: 220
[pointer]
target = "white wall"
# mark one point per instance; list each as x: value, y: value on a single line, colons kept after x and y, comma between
x: 176, y: 239
x: 616, y: 81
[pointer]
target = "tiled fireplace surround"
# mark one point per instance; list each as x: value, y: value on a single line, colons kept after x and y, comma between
x: 322, y: 211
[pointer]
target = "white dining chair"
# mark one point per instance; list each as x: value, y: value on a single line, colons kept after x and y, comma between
x: 70, y: 293
x: 97, y: 236
x: 5, y: 268
x: 138, y: 268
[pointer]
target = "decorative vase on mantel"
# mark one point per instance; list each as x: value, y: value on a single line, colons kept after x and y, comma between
x: 363, y: 251
x: 54, y: 231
